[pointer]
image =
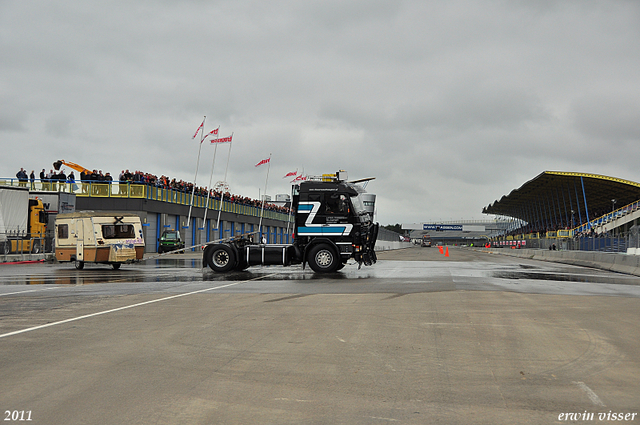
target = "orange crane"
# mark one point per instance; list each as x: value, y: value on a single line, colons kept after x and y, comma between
x: 73, y: 165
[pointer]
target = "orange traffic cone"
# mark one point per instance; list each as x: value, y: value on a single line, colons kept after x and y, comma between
x: 446, y: 254
x: 441, y: 251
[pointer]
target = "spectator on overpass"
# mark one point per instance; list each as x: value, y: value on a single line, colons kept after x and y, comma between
x: 22, y: 177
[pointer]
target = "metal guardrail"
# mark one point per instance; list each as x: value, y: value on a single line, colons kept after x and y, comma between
x: 143, y: 191
x: 21, y: 247
x: 614, y: 243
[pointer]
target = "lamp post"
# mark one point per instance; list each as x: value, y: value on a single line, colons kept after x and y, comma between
x: 573, y: 224
x: 613, y: 208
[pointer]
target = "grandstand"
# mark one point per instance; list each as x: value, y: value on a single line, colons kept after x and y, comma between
x: 571, y: 211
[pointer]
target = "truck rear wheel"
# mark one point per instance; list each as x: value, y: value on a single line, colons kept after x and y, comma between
x: 323, y: 259
x: 220, y: 258
x: 35, y: 249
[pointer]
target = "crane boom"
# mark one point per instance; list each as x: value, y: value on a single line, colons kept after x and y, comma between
x: 73, y: 165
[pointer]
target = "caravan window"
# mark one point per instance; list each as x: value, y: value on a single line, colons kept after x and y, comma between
x: 118, y: 231
x: 63, y: 231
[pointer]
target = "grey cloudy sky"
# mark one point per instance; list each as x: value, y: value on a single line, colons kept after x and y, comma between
x: 449, y: 104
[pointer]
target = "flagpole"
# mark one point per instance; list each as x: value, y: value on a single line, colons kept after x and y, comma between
x: 196, y: 176
x: 290, y: 205
x: 289, y: 219
x: 213, y: 163
x: 298, y: 178
x: 290, y: 208
x: 264, y: 197
x: 225, y: 182
x: 210, y: 179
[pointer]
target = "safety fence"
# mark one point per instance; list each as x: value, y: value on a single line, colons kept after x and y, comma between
x: 621, y: 242
x: 388, y: 235
x: 388, y: 240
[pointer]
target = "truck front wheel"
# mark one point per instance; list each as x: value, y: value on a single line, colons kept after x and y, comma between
x: 220, y: 258
x: 323, y: 259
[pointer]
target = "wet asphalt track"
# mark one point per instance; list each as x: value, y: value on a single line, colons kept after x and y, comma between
x: 417, y: 338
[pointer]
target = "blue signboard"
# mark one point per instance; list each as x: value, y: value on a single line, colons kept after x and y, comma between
x: 442, y: 227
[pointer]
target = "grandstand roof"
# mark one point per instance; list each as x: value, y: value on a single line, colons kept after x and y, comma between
x: 553, y: 193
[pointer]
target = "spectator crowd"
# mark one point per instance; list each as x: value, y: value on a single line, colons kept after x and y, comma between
x: 51, y: 179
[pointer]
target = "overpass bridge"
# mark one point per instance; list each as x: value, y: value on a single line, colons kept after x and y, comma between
x: 161, y: 209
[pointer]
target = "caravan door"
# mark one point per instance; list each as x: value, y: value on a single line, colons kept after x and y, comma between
x: 79, y: 239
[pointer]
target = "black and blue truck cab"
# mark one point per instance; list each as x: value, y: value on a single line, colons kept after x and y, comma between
x: 333, y: 223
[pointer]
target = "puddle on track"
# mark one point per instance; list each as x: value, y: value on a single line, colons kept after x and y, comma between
x: 191, y: 270
x: 567, y: 277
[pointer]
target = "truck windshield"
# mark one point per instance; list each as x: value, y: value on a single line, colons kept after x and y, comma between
x: 360, y: 211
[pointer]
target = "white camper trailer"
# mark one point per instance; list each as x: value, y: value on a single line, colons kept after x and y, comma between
x: 98, y: 237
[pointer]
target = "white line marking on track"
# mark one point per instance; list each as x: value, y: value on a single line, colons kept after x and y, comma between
x: 592, y: 396
x: 126, y: 307
x: 30, y: 290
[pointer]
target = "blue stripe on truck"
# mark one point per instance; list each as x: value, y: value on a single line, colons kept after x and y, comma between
x: 322, y: 229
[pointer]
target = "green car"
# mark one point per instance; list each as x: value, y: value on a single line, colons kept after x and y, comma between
x: 170, y: 241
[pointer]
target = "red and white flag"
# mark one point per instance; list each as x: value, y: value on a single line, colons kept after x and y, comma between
x: 198, y: 130
x: 222, y: 140
x: 264, y: 161
x: 300, y: 178
x: 214, y: 132
x: 291, y: 174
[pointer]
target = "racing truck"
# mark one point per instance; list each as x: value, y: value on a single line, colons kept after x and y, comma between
x: 333, y: 223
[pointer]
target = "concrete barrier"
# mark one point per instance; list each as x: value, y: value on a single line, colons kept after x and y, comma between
x: 615, y: 262
x: 19, y: 258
